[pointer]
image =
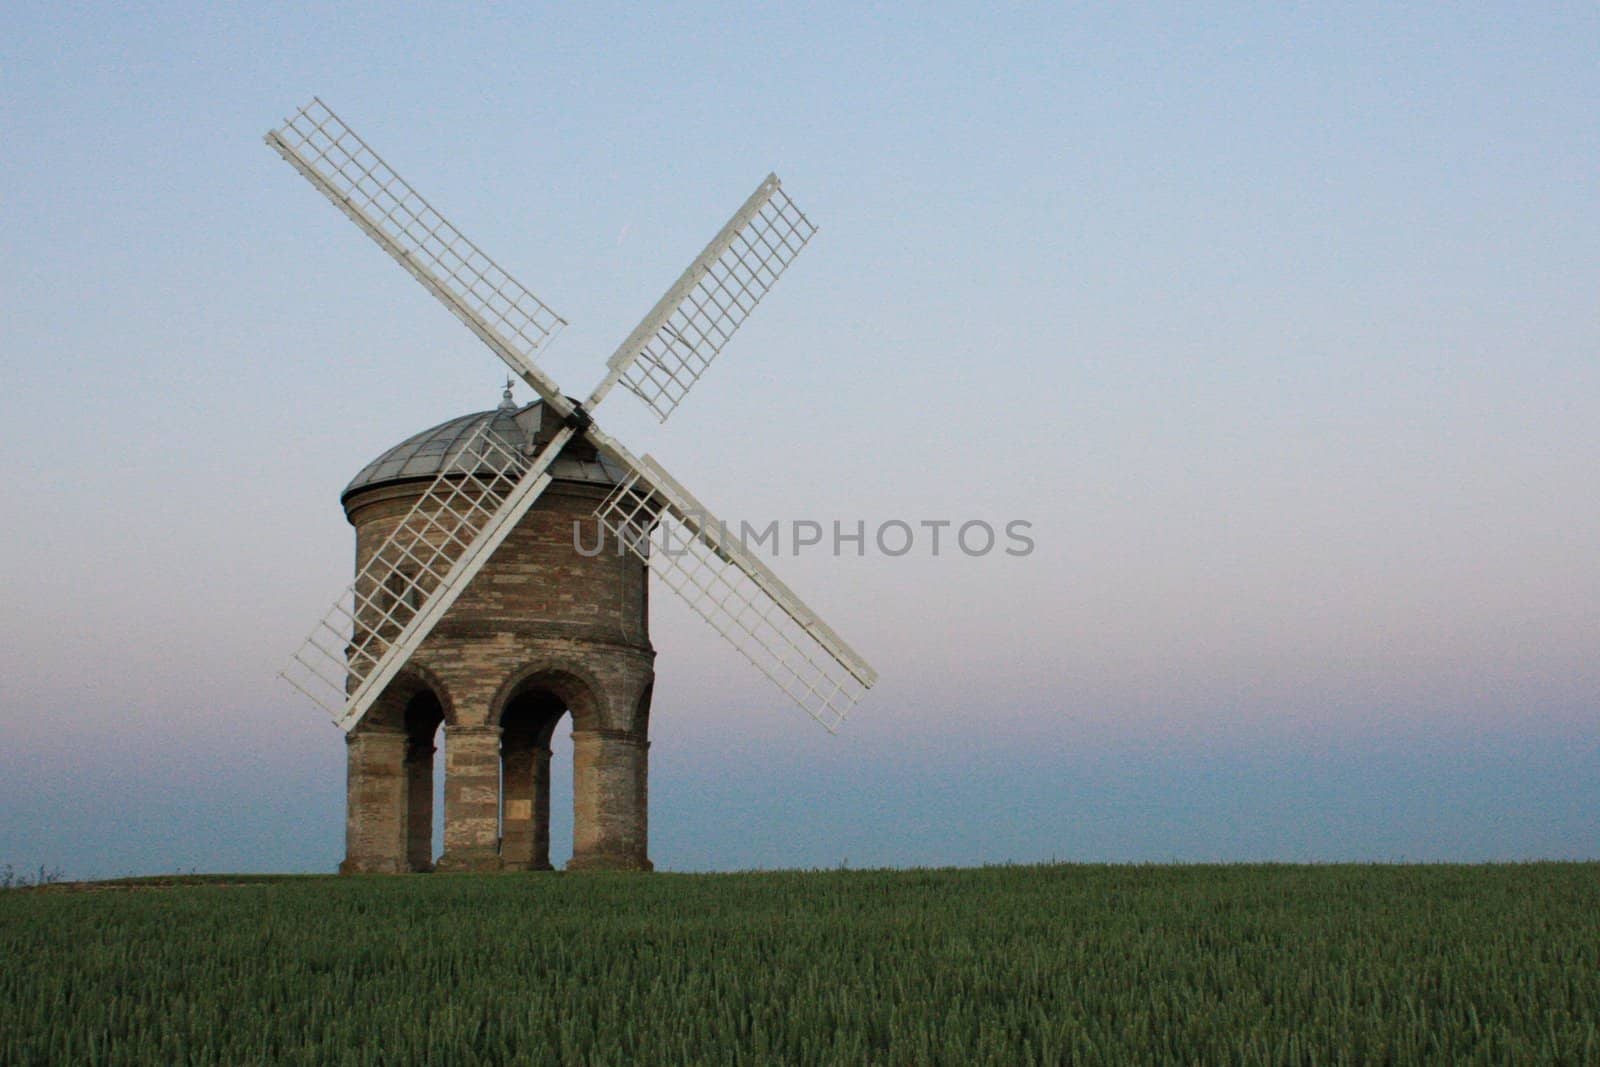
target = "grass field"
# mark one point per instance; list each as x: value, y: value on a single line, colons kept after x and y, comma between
x: 1011, y: 965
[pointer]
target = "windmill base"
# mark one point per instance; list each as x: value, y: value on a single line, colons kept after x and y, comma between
x: 497, y: 803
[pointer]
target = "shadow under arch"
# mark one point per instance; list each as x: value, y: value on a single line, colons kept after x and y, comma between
x: 388, y: 712
x: 424, y: 715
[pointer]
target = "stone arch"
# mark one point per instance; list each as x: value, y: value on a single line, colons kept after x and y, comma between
x: 388, y: 711
x: 568, y: 680
x: 609, y: 710
x: 528, y: 707
x: 390, y: 753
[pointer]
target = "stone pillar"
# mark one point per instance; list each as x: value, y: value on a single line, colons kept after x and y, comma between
x: 471, y: 799
x: 419, y: 805
x: 525, y: 816
x: 610, y: 801
x: 541, y: 810
x: 375, y: 803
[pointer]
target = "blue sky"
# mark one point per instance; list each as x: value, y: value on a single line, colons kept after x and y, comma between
x: 1278, y: 324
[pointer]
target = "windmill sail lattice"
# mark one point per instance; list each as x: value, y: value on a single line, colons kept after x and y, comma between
x: 695, y: 556
x: 678, y: 340
x: 493, y: 304
x: 486, y: 486
x: 482, y: 489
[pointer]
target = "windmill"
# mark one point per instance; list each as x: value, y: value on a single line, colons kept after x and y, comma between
x: 487, y: 486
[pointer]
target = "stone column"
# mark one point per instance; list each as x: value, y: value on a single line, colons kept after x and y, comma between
x: 541, y: 810
x: 525, y: 817
x: 471, y: 799
x: 610, y: 802
x: 375, y: 803
x: 419, y: 805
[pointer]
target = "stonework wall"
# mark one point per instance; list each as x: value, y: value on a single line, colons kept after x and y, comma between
x: 539, y: 619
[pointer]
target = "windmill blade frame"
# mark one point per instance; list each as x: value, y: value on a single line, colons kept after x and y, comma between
x: 418, y: 572
x: 653, y: 516
x: 504, y: 314
x: 675, y: 344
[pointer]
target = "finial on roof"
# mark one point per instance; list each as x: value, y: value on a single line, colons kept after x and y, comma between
x: 506, y: 403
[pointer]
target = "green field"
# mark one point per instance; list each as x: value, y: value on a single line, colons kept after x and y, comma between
x: 1008, y: 965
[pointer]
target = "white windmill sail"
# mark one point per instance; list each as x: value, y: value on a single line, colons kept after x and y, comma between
x: 494, y: 305
x: 481, y: 492
x: 675, y: 343
x: 729, y: 587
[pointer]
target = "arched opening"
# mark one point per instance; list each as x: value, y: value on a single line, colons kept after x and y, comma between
x: 527, y: 727
x: 392, y: 767
x: 606, y: 773
x: 424, y: 714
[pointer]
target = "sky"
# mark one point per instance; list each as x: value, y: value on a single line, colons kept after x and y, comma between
x: 1277, y: 324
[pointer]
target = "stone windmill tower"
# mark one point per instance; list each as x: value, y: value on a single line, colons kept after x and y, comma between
x: 474, y: 605
x: 542, y: 631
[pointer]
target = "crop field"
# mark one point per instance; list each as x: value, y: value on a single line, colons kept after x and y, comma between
x: 1005, y: 965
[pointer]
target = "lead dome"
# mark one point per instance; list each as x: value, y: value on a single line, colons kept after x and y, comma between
x: 423, y: 455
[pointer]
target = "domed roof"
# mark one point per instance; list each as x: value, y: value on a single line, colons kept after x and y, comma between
x: 423, y: 455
